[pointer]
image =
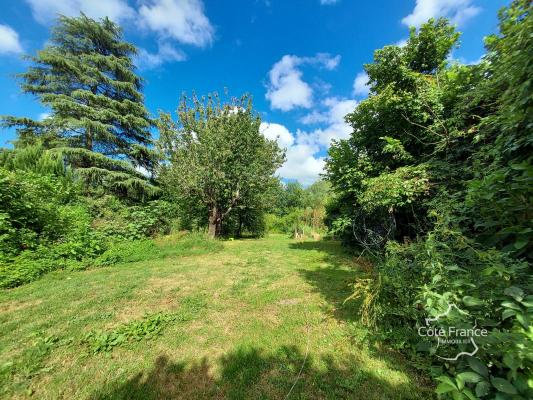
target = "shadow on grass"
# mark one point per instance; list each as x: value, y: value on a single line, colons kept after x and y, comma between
x: 249, y: 373
x: 335, y: 280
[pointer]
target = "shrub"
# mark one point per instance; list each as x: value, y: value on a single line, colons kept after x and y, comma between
x: 34, y: 209
x: 119, y: 221
x: 304, y: 221
x: 419, y: 280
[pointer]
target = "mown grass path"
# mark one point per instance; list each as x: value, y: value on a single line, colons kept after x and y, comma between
x: 261, y: 307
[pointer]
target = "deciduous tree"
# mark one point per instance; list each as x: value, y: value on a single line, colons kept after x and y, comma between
x: 216, y: 156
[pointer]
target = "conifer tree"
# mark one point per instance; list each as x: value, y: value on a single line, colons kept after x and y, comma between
x: 98, y: 120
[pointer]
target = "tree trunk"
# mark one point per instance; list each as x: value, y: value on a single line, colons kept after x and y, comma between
x: 89, y: 139
x: 239, y: 229
x: 215, y: 222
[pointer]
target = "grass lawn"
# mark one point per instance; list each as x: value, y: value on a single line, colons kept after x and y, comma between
x: 250, y: 319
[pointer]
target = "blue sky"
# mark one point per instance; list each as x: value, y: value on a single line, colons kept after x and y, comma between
x: 302, y: 60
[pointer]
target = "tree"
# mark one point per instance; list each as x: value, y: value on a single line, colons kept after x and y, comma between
x: 215, y: 156
x: 381, y: 173
x: 294, y: 195
x: 86, y: 76
x: 500, y: 197
x: 317, y: 195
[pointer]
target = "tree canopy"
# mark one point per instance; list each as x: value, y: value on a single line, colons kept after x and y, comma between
x: 216, y: 156
x: 86, y: 77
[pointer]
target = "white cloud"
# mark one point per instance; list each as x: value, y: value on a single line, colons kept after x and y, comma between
x: 458, y: 11
x: 44, y: 115
x: 181, y: 20
x: 286, y: 88
x: 277, y: 132
x: 324, y: 59
x: 328, y: 2
x: 305, y: 148
x: 338, y: 108
x: 336, y: 128
x: 165, y: 53
x: 45, y: 11
x: 401, y: 43
x: 9, y: 40
x: 302, y: 164
x: 360, y: 84
x: 314, y: 117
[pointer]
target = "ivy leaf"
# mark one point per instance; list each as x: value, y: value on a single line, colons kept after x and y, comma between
x: 482, y: 389
x: 515, y: 292
x: 508, y: 313
x: 446, y: 379
x: 468, y: 393
x: 478, y: 366
x: 460, y: 382
x: 470, y: 377
x: 472, y: 301
x: 511, y: 361
x: 523, y: 319
x: 510, y: 304
x: 444, y: 388
x: 503, y: 385
x: 528, y: 302
x: 521, y: 243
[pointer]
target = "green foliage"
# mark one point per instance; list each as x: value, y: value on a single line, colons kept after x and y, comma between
x: 396, y: 189
x: 446, y: 151
x: 502, y: 189
x: 144, y: 329
x: 119, y: 222
x: 147, y: 328
x: 34, y: 209
x: 217, y: 158
x: 427, y: 49
x: 299, y: 221
x: 296, y: 210
x: 85, y: 76
x: 419, y: 280
x: 245, y: 221
x: 47, y: 224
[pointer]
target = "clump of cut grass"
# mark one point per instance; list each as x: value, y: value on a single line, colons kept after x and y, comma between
x: 144, y: 329
x: 147, y: 328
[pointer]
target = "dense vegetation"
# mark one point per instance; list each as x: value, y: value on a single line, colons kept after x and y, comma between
x: 433, y: 190
x: 436, y: 183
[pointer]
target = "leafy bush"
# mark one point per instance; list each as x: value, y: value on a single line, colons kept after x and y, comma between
x: 306, y: 221
x: 134, y: 331
x: 420, y: 280
x: 46, y: 224
x: 124, y: 252
x: 119, y: 221
x: 34, y: 209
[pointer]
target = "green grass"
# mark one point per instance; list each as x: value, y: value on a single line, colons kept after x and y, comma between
x: 237, y: 322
